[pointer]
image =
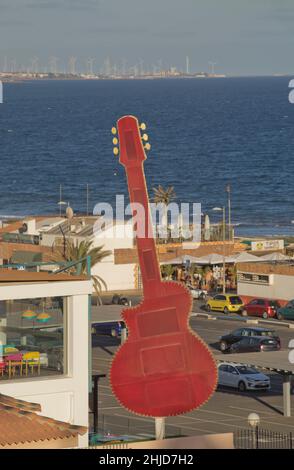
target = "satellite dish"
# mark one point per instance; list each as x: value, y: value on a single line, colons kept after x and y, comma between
x: 69, y: 213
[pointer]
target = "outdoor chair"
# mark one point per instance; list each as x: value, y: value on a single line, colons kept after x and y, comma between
x: 32, y: 360
x: 13, y: 361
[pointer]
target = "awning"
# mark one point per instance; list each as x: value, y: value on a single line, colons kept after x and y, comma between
x: 275, y: 257
x: 243, y: 258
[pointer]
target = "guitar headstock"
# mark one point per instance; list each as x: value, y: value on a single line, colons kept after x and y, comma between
x: 129, y: 144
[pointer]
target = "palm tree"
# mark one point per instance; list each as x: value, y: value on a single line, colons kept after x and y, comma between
x: 167, y: 270
x: 74, y: 251
x: 164, y: 196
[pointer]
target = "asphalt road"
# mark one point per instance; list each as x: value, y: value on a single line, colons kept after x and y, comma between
x: 226, y: 411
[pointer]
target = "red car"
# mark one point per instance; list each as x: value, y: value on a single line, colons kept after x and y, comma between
x: 261, y: 308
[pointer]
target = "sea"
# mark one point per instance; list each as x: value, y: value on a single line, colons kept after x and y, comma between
x: 204, y: 135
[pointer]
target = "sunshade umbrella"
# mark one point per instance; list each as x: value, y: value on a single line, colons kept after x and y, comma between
x: 43, y: 317
x: 214, y: 258
x: 29, y: 315
x: 246, y: 258
x: 275, y: 257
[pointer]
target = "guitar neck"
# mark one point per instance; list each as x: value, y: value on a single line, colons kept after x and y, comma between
x: 147, y: 254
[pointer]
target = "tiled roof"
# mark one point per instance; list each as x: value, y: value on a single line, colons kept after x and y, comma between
x: 20, y: 423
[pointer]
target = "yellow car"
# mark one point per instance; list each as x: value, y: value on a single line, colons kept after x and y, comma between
x: 225, y: 303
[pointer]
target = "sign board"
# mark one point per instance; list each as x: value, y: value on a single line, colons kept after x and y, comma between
x: 267, y: 245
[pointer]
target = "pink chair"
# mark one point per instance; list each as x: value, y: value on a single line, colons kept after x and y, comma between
x: 13, y: 361
x: 2, y: 367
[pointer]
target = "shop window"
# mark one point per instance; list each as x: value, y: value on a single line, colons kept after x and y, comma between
x: 32, y: 339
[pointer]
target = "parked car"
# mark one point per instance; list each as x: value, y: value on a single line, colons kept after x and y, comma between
x: 261, y: 308
x: 55, y: 359
x: 255, y: 344
x: 119, y: 300
x: 242, y: 377
x: 197, y: 293
x: 225, y: 303
x: 286, y: 312
x: 111, y: 328
x: 226, y: 341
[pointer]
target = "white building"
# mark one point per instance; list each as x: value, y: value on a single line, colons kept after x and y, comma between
x: 56, y: 231
x: 44, y: 342
x: 265, y: 280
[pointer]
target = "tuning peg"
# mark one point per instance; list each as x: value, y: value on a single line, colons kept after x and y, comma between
x: 143, y: 126
x: 115, y: 150
x: 147, y: 146
x: 145, y: 137
x: 115, y: 141
x: 113, y: 130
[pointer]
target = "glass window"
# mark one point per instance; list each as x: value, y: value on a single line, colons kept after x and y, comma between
x: 32, y: 339
x: 232, y: 370
x: 246, y: 370
x: 245, y: 332
x: 261, y: 302
x: 235, y: 300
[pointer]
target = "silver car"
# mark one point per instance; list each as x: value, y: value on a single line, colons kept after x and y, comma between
x: 242, y: 377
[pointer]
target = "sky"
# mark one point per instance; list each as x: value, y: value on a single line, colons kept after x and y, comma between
x: 243, y: 37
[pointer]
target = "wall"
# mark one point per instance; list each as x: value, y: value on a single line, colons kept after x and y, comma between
x: 63, y: 398
x: 281, y: 288
x: 117, y: 277
x: 209, y: 441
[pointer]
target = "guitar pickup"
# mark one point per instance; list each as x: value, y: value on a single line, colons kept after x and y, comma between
x: 158, y: 322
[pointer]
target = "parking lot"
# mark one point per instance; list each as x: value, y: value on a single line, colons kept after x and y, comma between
x: 226, y: 411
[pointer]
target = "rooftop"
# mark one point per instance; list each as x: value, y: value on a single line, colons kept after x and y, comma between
x: 20, y: 424
x: 267, y: 268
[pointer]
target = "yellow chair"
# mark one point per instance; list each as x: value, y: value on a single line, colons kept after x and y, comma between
x: 32, y: 359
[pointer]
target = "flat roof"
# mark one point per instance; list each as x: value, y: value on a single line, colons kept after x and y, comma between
x: 10, y: 276
x: 276, y: 361
x: 282, y: 268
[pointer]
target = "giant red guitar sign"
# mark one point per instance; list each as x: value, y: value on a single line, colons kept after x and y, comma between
x: 163, y: 368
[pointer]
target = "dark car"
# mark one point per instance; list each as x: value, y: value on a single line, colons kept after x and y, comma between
x: 286, y: 312
x: 111, y: 328
x: 255, y: 344
x: 264, y: 308
x: 226, y: 341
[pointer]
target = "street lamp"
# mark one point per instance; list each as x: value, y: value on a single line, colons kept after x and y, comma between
x: 223, y: 210
x: 254, y: 421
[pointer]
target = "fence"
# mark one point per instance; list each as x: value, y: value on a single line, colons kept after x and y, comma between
x: 116, y: 428
x: 258, y: 438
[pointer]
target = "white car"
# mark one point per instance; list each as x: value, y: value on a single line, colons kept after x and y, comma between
x: 197, y: 293
x: 242, y: 377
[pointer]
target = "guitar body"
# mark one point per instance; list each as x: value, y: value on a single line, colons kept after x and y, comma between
x: 164, y: 368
